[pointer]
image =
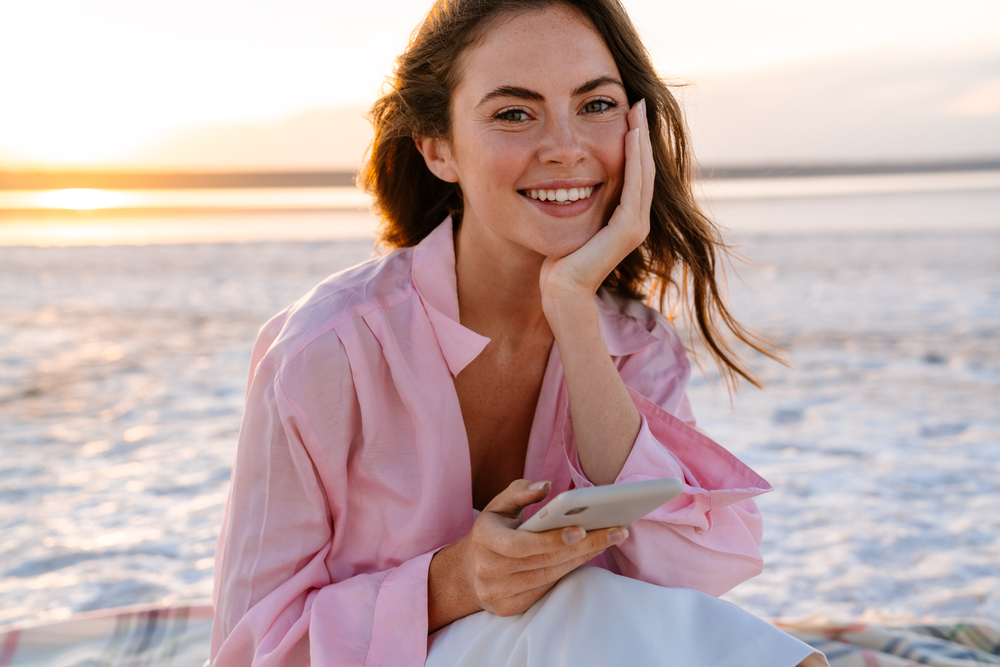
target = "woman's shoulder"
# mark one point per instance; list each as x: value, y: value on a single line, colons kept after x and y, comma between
x: 635, y: 326
x: 656, y: 365
x: 355, y: 292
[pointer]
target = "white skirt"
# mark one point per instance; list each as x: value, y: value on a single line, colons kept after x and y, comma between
x: 594, y: 617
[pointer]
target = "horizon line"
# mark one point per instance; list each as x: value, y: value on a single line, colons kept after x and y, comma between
x: 119, y: 179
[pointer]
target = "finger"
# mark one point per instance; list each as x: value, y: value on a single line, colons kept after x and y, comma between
x: 642, y: 181
x: 631, y: 218
x: 594, y: 542
x: 546, y: 576
x: 520, y: 589
x: 631, y: 196
x: 624, y: 231
x: 517, y: 496
x: 648, y: 165
x: 508, y: 543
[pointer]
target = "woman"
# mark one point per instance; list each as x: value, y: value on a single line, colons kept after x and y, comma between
x: 531, y: 171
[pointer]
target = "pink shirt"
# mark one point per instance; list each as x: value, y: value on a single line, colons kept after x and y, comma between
x: 353, y: 467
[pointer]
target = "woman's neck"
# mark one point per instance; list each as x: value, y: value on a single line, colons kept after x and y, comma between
x: 498, y: 291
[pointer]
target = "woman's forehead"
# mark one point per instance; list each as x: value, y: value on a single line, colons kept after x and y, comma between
x: 556, y: 45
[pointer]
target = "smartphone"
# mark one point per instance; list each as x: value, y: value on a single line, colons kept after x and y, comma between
x: 604, y: 506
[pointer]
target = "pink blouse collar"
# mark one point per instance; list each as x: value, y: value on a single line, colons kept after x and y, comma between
x: 435, y: 282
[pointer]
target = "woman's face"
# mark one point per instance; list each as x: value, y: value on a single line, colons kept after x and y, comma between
x: 539, y: 114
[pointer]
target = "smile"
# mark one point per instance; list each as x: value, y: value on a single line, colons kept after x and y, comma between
x: 560, y: 196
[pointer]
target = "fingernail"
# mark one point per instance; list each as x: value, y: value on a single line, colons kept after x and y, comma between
x: 642, y: 102
x: 536, y: 486
x: 617, y: 535
x: 573, y: 535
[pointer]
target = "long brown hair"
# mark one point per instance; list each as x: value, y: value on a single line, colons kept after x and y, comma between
x: 679, y: 260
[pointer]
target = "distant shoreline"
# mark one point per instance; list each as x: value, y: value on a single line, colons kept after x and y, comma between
x: 122, y: 180
x: 843, y: 169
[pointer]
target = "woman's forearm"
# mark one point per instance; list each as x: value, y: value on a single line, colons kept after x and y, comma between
x: 605, y: 420
x: 448, y: 597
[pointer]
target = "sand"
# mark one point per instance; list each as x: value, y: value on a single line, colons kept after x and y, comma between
x: 122, y: 372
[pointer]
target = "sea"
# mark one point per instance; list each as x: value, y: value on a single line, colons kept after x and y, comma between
x: 127, y: 319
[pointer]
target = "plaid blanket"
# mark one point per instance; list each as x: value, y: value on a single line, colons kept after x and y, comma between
x: 179, y: 636
x: 140, y: 636
x: 957, y: 643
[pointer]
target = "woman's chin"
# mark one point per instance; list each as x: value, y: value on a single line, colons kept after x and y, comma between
x: 566, y: 243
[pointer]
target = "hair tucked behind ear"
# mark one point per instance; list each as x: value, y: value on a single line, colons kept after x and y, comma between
x: 409, y: 198
x: 681, y: 258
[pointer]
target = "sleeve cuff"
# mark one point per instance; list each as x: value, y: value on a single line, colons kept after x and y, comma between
x: 399, y: 626
x: 667, y: 447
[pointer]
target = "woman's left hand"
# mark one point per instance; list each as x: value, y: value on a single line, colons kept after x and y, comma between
x: 582, y: 272
x: 605, y: 419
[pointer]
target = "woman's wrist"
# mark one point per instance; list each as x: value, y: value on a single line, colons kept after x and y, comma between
x: 570, y: 314
x: 449, y: 593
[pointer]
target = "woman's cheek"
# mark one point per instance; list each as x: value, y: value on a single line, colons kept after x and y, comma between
x: 608, y: 140
x: 505, y: 156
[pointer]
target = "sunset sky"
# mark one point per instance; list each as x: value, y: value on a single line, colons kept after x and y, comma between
x: 269, y: 84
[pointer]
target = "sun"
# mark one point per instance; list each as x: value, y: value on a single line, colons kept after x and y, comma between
x: 80, y: 199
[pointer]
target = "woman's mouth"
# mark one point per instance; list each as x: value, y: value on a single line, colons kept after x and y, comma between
x: 564, y: 196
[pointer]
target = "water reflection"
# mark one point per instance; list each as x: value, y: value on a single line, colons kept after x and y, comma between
x: 79, y: 199
x: 295, y: 198
x: 813, y: 204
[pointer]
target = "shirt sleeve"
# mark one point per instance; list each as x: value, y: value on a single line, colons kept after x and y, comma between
x: 708, y: 537
x: 276, y: 601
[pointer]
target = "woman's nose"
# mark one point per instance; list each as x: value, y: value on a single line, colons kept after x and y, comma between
x: 561, y: 143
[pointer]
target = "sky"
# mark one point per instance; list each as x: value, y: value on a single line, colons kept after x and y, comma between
x: 284, y: 83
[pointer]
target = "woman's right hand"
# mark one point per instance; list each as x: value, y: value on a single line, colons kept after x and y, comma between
x: 503, y: 570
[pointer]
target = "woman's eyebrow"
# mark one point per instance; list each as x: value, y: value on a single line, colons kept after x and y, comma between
x: 520, y: 93
x: 512, y: 91
x: 593, y: 84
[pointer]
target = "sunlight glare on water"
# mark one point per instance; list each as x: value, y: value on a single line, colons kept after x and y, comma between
x: 81, y: 199
x: 829, y: 204
x: 289, y: 198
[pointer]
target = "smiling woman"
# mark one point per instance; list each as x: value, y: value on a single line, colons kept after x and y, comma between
x: 405, y: 415
x: 560, y: 128
x: 498, y: 109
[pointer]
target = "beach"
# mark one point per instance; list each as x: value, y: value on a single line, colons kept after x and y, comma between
x: 123, y: 370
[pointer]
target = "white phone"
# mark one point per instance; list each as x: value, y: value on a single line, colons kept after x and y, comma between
x: 604, y: 506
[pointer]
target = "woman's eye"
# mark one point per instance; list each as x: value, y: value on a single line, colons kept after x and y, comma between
x: 512, y: 115
x: 599, y: 106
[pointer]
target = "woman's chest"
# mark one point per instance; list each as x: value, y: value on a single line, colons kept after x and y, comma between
x: 499, y: 396
x: 498, y: 413
x: 424, y: 443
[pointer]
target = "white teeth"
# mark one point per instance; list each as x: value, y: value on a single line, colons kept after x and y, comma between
x: 561, y: 195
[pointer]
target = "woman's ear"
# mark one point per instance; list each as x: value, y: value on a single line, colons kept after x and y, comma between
x: 437, y: 155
